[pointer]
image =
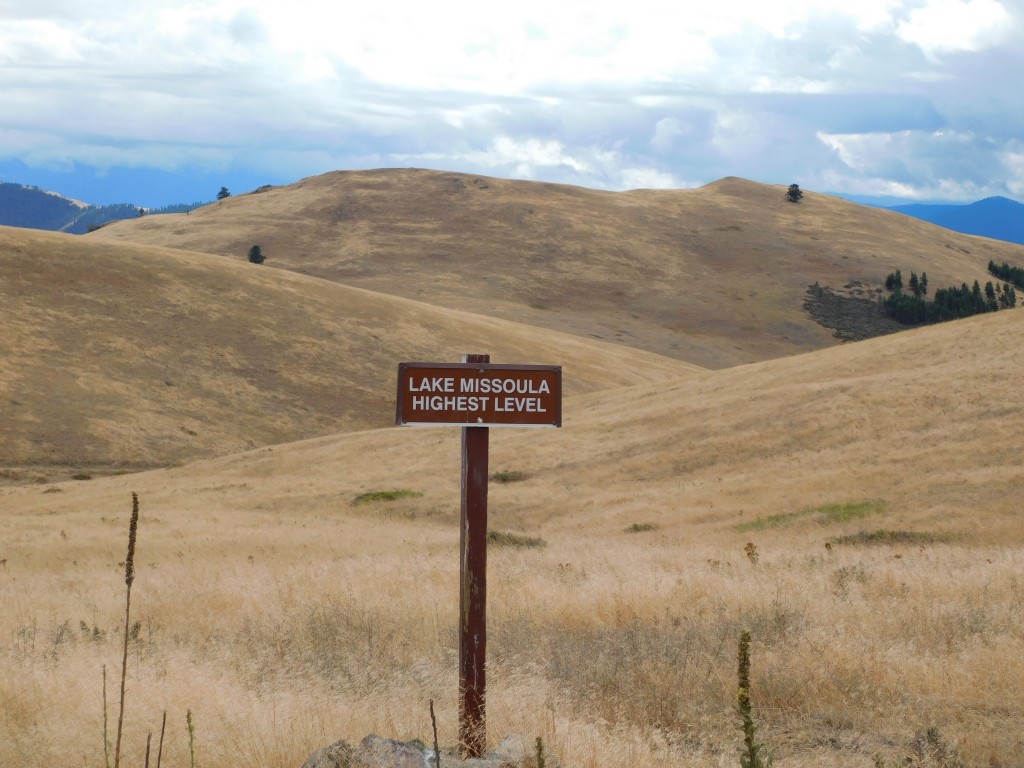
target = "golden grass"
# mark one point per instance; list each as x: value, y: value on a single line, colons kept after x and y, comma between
x: 285, y: 616
x: 299, y: 593
x: 715, y: 276
x: 121, y: 357
x: 602, y: 647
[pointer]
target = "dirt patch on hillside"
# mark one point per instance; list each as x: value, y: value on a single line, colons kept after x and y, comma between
x: 853, y: 314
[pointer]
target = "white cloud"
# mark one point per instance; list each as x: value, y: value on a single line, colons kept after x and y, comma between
x: 456, y: 44
x: 39, y: 40
x: 526, y: 156
x: 666, y: 131
x: 949, y: 26
x: 604, y: 94
x: 549, y: 159
x: 1014, y: 163
x: 944, y: 164
x: 853, y: 149
x: 797, y: 84
x: 649, y: 178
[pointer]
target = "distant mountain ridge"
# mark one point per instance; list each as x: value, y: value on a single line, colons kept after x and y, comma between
x: 31, y: 207
x: 996, y: 217
x: 35, y: 208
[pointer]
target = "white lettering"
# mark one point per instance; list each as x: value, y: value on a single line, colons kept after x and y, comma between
x: 507, y: 386
x: 518, y: 392
x: 435, y: 384
x: 519, y: 405
x: 453, y: 403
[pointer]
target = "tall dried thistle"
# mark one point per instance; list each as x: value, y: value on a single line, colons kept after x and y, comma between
x: 191, y: 739
x: 754, y: 754
x: 129, y: 577
x: 437, y: 748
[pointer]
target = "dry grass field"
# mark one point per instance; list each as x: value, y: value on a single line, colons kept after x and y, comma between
x: 714, y: 276
x: 120, y: 357
x: 857, y: 508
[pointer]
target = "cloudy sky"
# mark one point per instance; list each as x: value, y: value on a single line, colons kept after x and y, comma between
x: 160, y: 101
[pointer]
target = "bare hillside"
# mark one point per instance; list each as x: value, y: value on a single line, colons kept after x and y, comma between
x: 856, y: 508
x: 127, y: 356
x: 715, y: 276
x: 922, y: 422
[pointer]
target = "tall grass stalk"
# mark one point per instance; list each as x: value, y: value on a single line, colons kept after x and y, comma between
x: 160, y: 749
x: 437, y: 748
x: 106, y: 737
x: 191, y: 739
x: 129, y: 577
x: 754, y: 753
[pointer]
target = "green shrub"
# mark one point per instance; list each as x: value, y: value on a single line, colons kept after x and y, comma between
x: 882, y: 536
x: 825, y: 514
x: 641, y: 528
x: 509, y: 476
x: 371, y: 496
x: 514, y: 540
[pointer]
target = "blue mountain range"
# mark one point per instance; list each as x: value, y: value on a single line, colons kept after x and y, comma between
x: 35, y: 208
x: 995, y: 217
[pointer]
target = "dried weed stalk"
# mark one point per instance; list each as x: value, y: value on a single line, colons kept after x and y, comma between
x: 129, y: 577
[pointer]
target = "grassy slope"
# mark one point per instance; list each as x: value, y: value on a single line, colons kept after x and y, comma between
x: 923, y: 421
x: 138, y: 356
x: 261, y: 573
x: 260, y: 585
x: 715, y: 276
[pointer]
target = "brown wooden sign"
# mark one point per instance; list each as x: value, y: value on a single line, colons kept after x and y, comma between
x: 479, y: 395
x: 475, y: 395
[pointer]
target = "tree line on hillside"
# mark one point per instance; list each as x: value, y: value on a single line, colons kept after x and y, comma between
x: 951, y: 303
x: 1005, y: 272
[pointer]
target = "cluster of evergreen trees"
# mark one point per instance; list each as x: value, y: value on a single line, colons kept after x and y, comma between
x: 1005, y: 272
x: 914, y: 308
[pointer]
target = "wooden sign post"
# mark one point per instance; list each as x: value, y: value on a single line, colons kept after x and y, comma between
x: 476, y: 395
x: 473, y: 587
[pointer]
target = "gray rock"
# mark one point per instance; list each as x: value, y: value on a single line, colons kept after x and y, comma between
x: 516, y: 752
x: 336, y: 755
x: 377, y: 752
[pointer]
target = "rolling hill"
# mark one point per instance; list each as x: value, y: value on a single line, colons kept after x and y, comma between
x: 857, y: 508
x: 125, y: 356
x: 715, y: 276
x: 854, y: 506
x: 158, y: 343
x: 923, y: 422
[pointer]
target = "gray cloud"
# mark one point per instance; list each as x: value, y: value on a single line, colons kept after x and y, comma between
x: 844, y: 101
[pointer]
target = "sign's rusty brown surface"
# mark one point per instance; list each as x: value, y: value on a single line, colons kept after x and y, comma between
x: 479, y: 394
